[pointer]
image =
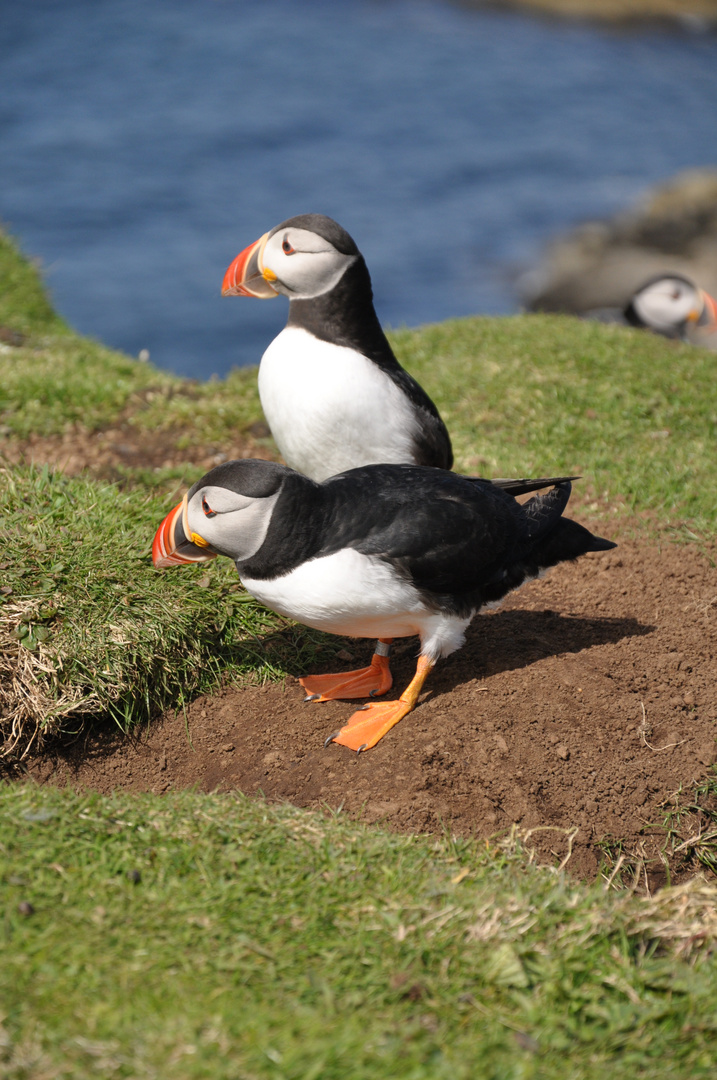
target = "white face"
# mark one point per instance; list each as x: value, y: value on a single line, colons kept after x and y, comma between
x: 667, y: 304
x: 232, y: 524
x: 305, y: 264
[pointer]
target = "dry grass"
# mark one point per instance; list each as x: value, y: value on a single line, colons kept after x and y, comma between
x: 29, y: 711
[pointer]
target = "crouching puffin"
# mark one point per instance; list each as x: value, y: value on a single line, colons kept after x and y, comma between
x: 674, y: 306
x: 333, y: 393
x: 381, y: 551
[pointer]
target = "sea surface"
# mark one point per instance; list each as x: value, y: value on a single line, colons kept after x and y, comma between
x: 146, y: 142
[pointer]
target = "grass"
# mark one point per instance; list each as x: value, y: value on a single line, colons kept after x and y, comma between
x: 57, y: 379
x: 690, y: 824
x: 636, y: 415
x: 214, y: 936
x: 24, y: 304
x: 89, y: 629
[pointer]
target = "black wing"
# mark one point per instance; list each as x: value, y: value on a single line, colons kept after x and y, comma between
x: 444, y: 533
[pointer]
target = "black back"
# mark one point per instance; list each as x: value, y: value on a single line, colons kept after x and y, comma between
x: 460, y: 542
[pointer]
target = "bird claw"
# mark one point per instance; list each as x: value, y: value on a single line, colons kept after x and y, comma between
x: 312, y: 697
x: 363, y: 746
x: 331, y: 738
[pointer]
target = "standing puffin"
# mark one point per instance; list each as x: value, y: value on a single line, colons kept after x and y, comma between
x: 381, y: 551
x: 333, y: 393
x: 674, y: 306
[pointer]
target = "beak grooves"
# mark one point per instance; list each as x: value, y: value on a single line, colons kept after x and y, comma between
x: 171, y: 547
x: 245, y: 276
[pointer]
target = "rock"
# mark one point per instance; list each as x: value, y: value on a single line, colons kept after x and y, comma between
x: 695, y: 15
x: 598, y: 266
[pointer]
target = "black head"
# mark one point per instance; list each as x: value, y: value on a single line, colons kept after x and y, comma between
x: 249, y: 477
x: 323, y: 226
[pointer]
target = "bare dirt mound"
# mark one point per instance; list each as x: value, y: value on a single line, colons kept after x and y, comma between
x: 586, y: 701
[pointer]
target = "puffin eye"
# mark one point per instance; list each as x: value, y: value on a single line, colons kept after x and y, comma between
x: 287, y: 248
x: 208, y: 512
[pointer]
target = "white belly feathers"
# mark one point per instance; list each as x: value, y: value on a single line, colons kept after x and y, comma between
x: 359, y: 417
x: 360, y: 596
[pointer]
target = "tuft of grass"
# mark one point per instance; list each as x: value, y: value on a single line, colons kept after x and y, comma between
x: 88, y: 627
x: 214, y: 936
x: 687, y: 836
x: 690, y: 824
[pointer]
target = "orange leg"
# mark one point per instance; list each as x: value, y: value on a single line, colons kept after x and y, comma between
x: 371, y: 722
x: 365, y: 682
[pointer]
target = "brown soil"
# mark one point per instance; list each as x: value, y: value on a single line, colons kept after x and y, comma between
x: 585, y: 702
x: 110, y: 453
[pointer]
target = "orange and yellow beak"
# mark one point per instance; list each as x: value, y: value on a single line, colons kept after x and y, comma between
x: 172, y: 547
x: 247, y: 276
x: 706, y: 319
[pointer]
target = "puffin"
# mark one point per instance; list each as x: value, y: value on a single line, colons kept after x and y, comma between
x: 333, y: 393
x: 672, y: 305
x: 381, y: 551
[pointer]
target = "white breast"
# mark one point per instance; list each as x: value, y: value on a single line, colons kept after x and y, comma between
x: 360, y: 596
x: 330, y: 408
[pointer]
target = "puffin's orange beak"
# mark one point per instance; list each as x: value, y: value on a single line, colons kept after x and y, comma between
x: 707, y: 319
x: 171, y: 546
x: 246, y: 277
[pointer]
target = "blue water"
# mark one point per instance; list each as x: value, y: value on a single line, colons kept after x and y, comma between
x: 145, y: 142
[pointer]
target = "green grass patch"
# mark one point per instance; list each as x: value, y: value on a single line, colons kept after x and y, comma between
x: 89, y: 628
x: 635, y: 414
x: 24, y: 304
x: 214, y: 936
x: 57, y: 379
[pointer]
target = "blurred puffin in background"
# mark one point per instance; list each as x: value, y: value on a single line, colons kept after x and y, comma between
x: 672, y: 305
x: 380, y: 551
x: 332, y: 391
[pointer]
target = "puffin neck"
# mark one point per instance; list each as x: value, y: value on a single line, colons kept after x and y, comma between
x: 346, y: 316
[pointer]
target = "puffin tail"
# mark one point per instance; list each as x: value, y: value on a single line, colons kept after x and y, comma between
x: 567, y: 541
x: 549, y: 539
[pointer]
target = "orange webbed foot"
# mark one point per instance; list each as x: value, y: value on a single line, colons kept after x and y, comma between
x: 369, y: 724
x: 370, y: 681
